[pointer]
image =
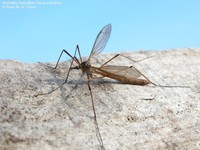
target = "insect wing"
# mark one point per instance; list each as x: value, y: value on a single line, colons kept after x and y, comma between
x: 128, y: 72
x: 101, y: 41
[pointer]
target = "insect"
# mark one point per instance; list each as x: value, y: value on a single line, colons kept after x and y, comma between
x: 121, y: 73
x: 125, y: 74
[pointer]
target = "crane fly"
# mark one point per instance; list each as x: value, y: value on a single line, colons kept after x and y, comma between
x: 121, y: 73
x: 125, y: 74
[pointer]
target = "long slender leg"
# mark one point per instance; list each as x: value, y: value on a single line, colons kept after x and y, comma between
x: 140, y: 72
x: 143, y: 74
x: 124, y: 57
x: 131, y: 66
x: 167, y: 86
x: 60, y: 57
x: 95, y: 117
x: 73, y: 59
x: 109, y: 60
x: 148, y: 79
x: 77, y: 47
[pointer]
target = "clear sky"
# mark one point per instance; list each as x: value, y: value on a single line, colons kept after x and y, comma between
x: 32, y: 31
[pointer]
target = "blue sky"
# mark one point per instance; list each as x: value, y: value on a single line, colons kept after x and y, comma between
x: 39, y: 31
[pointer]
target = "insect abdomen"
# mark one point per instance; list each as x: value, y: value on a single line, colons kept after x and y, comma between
x: 135, y: 81
x: 123, y: 79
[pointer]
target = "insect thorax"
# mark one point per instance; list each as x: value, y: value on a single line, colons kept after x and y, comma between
x: 86, y: 68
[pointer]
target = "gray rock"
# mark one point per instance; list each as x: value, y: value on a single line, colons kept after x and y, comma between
x: 129, y: 116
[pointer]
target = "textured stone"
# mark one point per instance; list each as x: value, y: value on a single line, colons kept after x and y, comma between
x: 129, y: 116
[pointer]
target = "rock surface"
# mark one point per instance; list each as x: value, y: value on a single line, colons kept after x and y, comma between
x: 129, y: 116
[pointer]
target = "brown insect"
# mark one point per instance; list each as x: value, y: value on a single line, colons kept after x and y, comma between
x: 121, y: 73
x: 128, y: 75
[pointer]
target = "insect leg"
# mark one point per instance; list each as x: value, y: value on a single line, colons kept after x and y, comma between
x: 77, y: 47
x: 130, y: 66
x: 124, y: 57
x: 110, y: 60
x: 95, y: 117
x: 73, y: 59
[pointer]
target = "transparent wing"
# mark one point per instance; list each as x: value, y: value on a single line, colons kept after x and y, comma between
x: 128, y: 72
x: 101, y: 41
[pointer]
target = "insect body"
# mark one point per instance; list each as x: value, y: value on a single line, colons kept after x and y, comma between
x: 124, y: 74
